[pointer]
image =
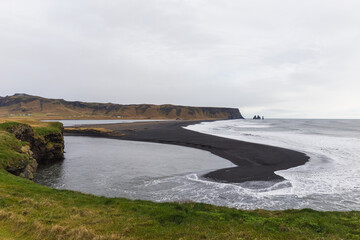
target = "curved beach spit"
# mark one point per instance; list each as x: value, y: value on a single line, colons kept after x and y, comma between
x: 255, y: 162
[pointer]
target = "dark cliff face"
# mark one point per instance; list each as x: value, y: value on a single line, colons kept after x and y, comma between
x: 42, y: 149
x: 27, y: 104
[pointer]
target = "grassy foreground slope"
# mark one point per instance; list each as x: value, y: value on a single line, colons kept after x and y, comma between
x: 31, y: 211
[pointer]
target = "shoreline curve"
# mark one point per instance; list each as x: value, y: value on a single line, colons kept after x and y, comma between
x: 255, y: 162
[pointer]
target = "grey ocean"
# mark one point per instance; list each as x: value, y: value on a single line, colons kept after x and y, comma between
x: 159, y: 172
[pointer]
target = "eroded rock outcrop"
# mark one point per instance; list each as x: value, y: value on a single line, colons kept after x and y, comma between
x: 25, y: 166
x: 41, y: 149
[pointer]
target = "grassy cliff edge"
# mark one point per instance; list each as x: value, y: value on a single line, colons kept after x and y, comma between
x: 31, y: 211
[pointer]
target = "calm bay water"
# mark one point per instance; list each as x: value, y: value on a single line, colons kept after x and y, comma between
x: 117, y: 168
x: 159, y: 172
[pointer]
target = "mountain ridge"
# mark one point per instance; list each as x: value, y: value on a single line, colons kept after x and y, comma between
x: 21, y: 104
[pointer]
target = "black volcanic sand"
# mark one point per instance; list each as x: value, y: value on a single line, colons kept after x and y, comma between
x: 255, y: 162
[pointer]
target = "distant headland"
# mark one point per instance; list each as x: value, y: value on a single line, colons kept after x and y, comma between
x: 21, y: 104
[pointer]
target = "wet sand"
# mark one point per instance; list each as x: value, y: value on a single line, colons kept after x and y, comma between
x: 255, y: 162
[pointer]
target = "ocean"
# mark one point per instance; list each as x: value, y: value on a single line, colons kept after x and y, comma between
x: 330, y: 181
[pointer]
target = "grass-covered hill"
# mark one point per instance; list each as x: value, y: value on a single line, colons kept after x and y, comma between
x: 30, y: 211
x: 23, y: 104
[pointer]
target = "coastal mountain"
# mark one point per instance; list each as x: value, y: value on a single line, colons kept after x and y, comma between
x: 28, y: 105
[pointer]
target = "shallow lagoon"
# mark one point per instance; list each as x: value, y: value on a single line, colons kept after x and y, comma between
x: 117, y: 168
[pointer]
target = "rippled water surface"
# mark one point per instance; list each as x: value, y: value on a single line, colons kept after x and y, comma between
x: 118, y: 168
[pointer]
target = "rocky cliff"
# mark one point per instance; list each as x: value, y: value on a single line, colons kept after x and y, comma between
x: 23, y: 104
x: 35, y: 146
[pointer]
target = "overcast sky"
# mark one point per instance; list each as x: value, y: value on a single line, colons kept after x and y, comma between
x: 278, y: 58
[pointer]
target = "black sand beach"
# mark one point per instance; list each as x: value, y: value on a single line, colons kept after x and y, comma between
x: 255, y: 162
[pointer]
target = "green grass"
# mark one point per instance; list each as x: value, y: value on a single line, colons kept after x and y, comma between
x: 6, y: 125
x: 37, y: 212
x: 31, y: 211
x: 10, y: 150
x: 53, y: 127
x: 40, y: 128
x: 5, y: 234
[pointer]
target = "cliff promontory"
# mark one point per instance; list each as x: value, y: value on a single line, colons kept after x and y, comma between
x: 23, y: 147
x: 26, y: 105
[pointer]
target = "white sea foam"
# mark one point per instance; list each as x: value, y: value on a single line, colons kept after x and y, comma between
x: 329, y: 181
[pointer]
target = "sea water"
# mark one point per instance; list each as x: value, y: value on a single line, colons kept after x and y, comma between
x: 331, y: 178
x: 330, y: 181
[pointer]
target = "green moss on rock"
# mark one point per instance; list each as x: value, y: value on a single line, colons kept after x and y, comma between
x: 22, y: 148
x: 16, y: 156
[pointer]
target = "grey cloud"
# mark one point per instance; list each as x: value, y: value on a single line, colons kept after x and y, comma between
x: 271, y: 57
